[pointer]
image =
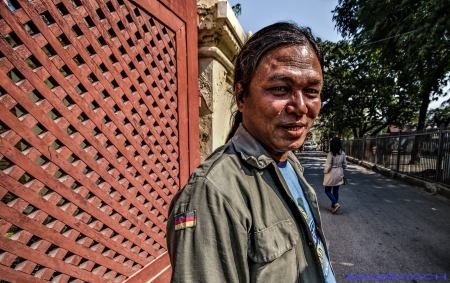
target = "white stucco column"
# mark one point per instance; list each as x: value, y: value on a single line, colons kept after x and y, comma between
x: 219, y: 41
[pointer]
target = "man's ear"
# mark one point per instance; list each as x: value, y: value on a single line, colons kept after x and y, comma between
x: 238, y: 89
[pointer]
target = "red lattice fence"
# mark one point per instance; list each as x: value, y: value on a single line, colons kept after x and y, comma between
x: 98, y: 131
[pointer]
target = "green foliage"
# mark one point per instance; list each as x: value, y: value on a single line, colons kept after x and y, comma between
x: 237, y: 9
x: 438, y: 116
x: 361, y: 96
x: 411, y: 36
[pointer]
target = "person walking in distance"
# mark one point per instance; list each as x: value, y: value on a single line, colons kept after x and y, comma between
x: 334, y: 172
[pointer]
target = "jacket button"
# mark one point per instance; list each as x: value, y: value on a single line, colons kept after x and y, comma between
x: 310, y: 244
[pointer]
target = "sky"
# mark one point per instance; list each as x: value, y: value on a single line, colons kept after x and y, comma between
x: 315, y: 14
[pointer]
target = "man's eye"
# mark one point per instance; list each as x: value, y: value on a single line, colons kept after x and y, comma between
x: 311, y: 91
x: 279, y: 89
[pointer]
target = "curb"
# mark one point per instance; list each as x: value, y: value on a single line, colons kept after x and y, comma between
x: 428, y: 186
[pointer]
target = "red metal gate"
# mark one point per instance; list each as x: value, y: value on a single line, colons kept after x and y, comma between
x: 98, y: 131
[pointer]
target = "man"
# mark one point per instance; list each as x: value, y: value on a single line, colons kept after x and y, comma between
x: 247, y: 214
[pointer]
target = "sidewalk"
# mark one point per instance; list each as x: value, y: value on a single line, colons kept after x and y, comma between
x: 429, y: 186
x: 384, y: 226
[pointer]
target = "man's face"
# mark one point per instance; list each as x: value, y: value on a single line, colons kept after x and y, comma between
x: 283, y: 99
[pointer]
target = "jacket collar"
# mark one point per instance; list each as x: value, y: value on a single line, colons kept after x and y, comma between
x: 252, y: 151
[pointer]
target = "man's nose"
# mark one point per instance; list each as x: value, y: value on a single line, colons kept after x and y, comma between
x: 296, y: 104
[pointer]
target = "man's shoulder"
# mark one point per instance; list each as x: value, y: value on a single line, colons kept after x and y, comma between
x: 222, y: 158
x: 218, y: 177
x: 222, y: 165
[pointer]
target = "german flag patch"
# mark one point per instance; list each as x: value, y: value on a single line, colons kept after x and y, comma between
x: 185, y: 220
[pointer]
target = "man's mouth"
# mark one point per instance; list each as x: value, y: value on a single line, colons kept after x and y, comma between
x: 294, y: 126
x: 294, y: 129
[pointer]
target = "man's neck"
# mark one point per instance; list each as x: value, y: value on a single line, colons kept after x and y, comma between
x: 278, y: 156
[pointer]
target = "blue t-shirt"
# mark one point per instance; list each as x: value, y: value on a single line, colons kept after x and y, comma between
x: 297, y: 192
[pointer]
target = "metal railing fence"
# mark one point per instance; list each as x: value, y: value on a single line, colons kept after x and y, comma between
x: 424, y: 154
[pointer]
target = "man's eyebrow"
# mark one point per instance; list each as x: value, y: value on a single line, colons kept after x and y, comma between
x: 316, y: 82
x: 281, y: 77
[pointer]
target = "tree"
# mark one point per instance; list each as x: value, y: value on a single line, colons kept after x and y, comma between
x: 361, y: 96
x: 438, y: 116
x: 411, y: 35
x: 237, y: 9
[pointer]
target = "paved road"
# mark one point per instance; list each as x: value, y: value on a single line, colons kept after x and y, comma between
x: 383, y: 226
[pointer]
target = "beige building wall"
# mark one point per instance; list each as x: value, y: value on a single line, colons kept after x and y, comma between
x: 220, y: 38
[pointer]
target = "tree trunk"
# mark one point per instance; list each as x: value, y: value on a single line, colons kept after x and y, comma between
x: 423, y: 111
x: 417, y: 147
x: 355, y: 132
x: 379, y: 129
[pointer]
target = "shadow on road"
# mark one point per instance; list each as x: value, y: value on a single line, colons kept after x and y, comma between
x: 383, y: 226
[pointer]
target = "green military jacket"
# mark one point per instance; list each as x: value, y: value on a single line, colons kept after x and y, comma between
x: 236, y: 221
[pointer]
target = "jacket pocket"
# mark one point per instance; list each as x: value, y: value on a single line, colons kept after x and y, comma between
x: 270, y: 243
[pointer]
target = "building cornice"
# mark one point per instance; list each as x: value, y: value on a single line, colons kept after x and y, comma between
x: 216, y: 54
x: 220, y: 33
